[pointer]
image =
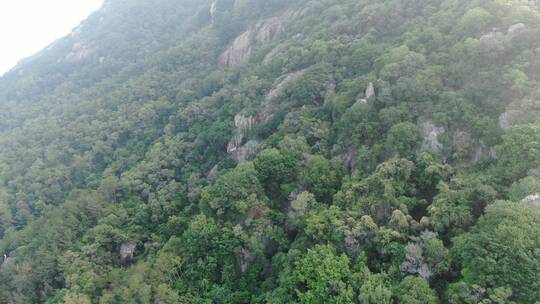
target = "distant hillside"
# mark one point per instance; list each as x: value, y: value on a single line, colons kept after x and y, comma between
x: 274, y: 151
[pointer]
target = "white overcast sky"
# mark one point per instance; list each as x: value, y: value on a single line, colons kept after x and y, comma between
x: 27, y: 26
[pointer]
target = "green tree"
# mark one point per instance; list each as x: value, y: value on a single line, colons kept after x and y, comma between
x: 274, y: 169
x: 375, y: 291
x: 520, y: 151
x: 322, y: 177
x: 403, y: 140
x: 414, y: 290
x: 523, y: 188
x: 502, y: 250
x: 234, y: 193
x: 322, y: 277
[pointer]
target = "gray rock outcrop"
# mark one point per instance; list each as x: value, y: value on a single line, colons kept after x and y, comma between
x: 517, y: 29
x: 268, y: 106
x: 126, y: 251
x: 213, y: 10
x: 79, y: 52
x: 415, y: 258
x: 368, y: 94
x: 246, y: 151
x: 533, y: 200
x: 239, y: 52
x: 430, y: 134
x: 482, y: 151
x: 243, y: 125
x: 297, y: 208
x: 245, y: 257
x: 508, y: 119
x: 370, y: 91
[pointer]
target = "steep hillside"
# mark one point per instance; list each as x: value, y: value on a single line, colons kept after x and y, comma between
x: 274, y: 151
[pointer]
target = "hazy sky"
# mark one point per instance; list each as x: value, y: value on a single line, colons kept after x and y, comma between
x: 27, y: 26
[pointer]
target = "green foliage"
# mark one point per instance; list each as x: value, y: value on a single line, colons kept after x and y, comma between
x: 234, y: 193
x: 375, y: 291
x: 274, y: 169
x: 502, y: 250
x: 519, y: 151
x: 322, y: 177
x: 414, y: 290
x: 124, y: 134
x: 324, y: 275
x: 523, y: 188
x: 403, y: 140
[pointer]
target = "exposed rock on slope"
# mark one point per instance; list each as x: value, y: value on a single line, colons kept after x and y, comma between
x: 243, y: 125
x: 268, y: 105
x: 126, y: 251
x: 263, y: 32
x: 246, y: 151
x: 239, y: 52
x: 368, y: 94
x: 78, y: 53
x: 430, y: 134
x: 483, y: 152
x: 533, y: 200
x: 507, y: 119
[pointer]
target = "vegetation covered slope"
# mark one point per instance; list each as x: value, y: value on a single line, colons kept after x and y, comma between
x: 274, y: 151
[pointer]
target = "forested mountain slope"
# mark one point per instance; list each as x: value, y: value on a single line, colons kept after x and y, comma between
x: 275, y: 151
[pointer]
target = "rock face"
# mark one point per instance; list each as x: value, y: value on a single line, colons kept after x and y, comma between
x: 79, y: 52
x: 464, y: 144
x: 517, y: 29
x: 430, y: 133
x: 239, y: 52
x: 263, y: 32
x: 126, y: 251
x: 268, y: 58
x: 370, y: 91
x: 483, y: 152
x: 268, y: 29
x: 213, y: 10
x: 368, y: 94
x: 247, y: 151
x: 245, y: 258
x: 243, y: 125
x: 268, y: 105
x: 415, y: 261
x: 521, y: 111
x: 534, y: 173
x: 533, y: 200
x: 508, y: 119
x: 298, y: 206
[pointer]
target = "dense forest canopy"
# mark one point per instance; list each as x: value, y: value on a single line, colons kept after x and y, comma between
x: 274, y: 151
